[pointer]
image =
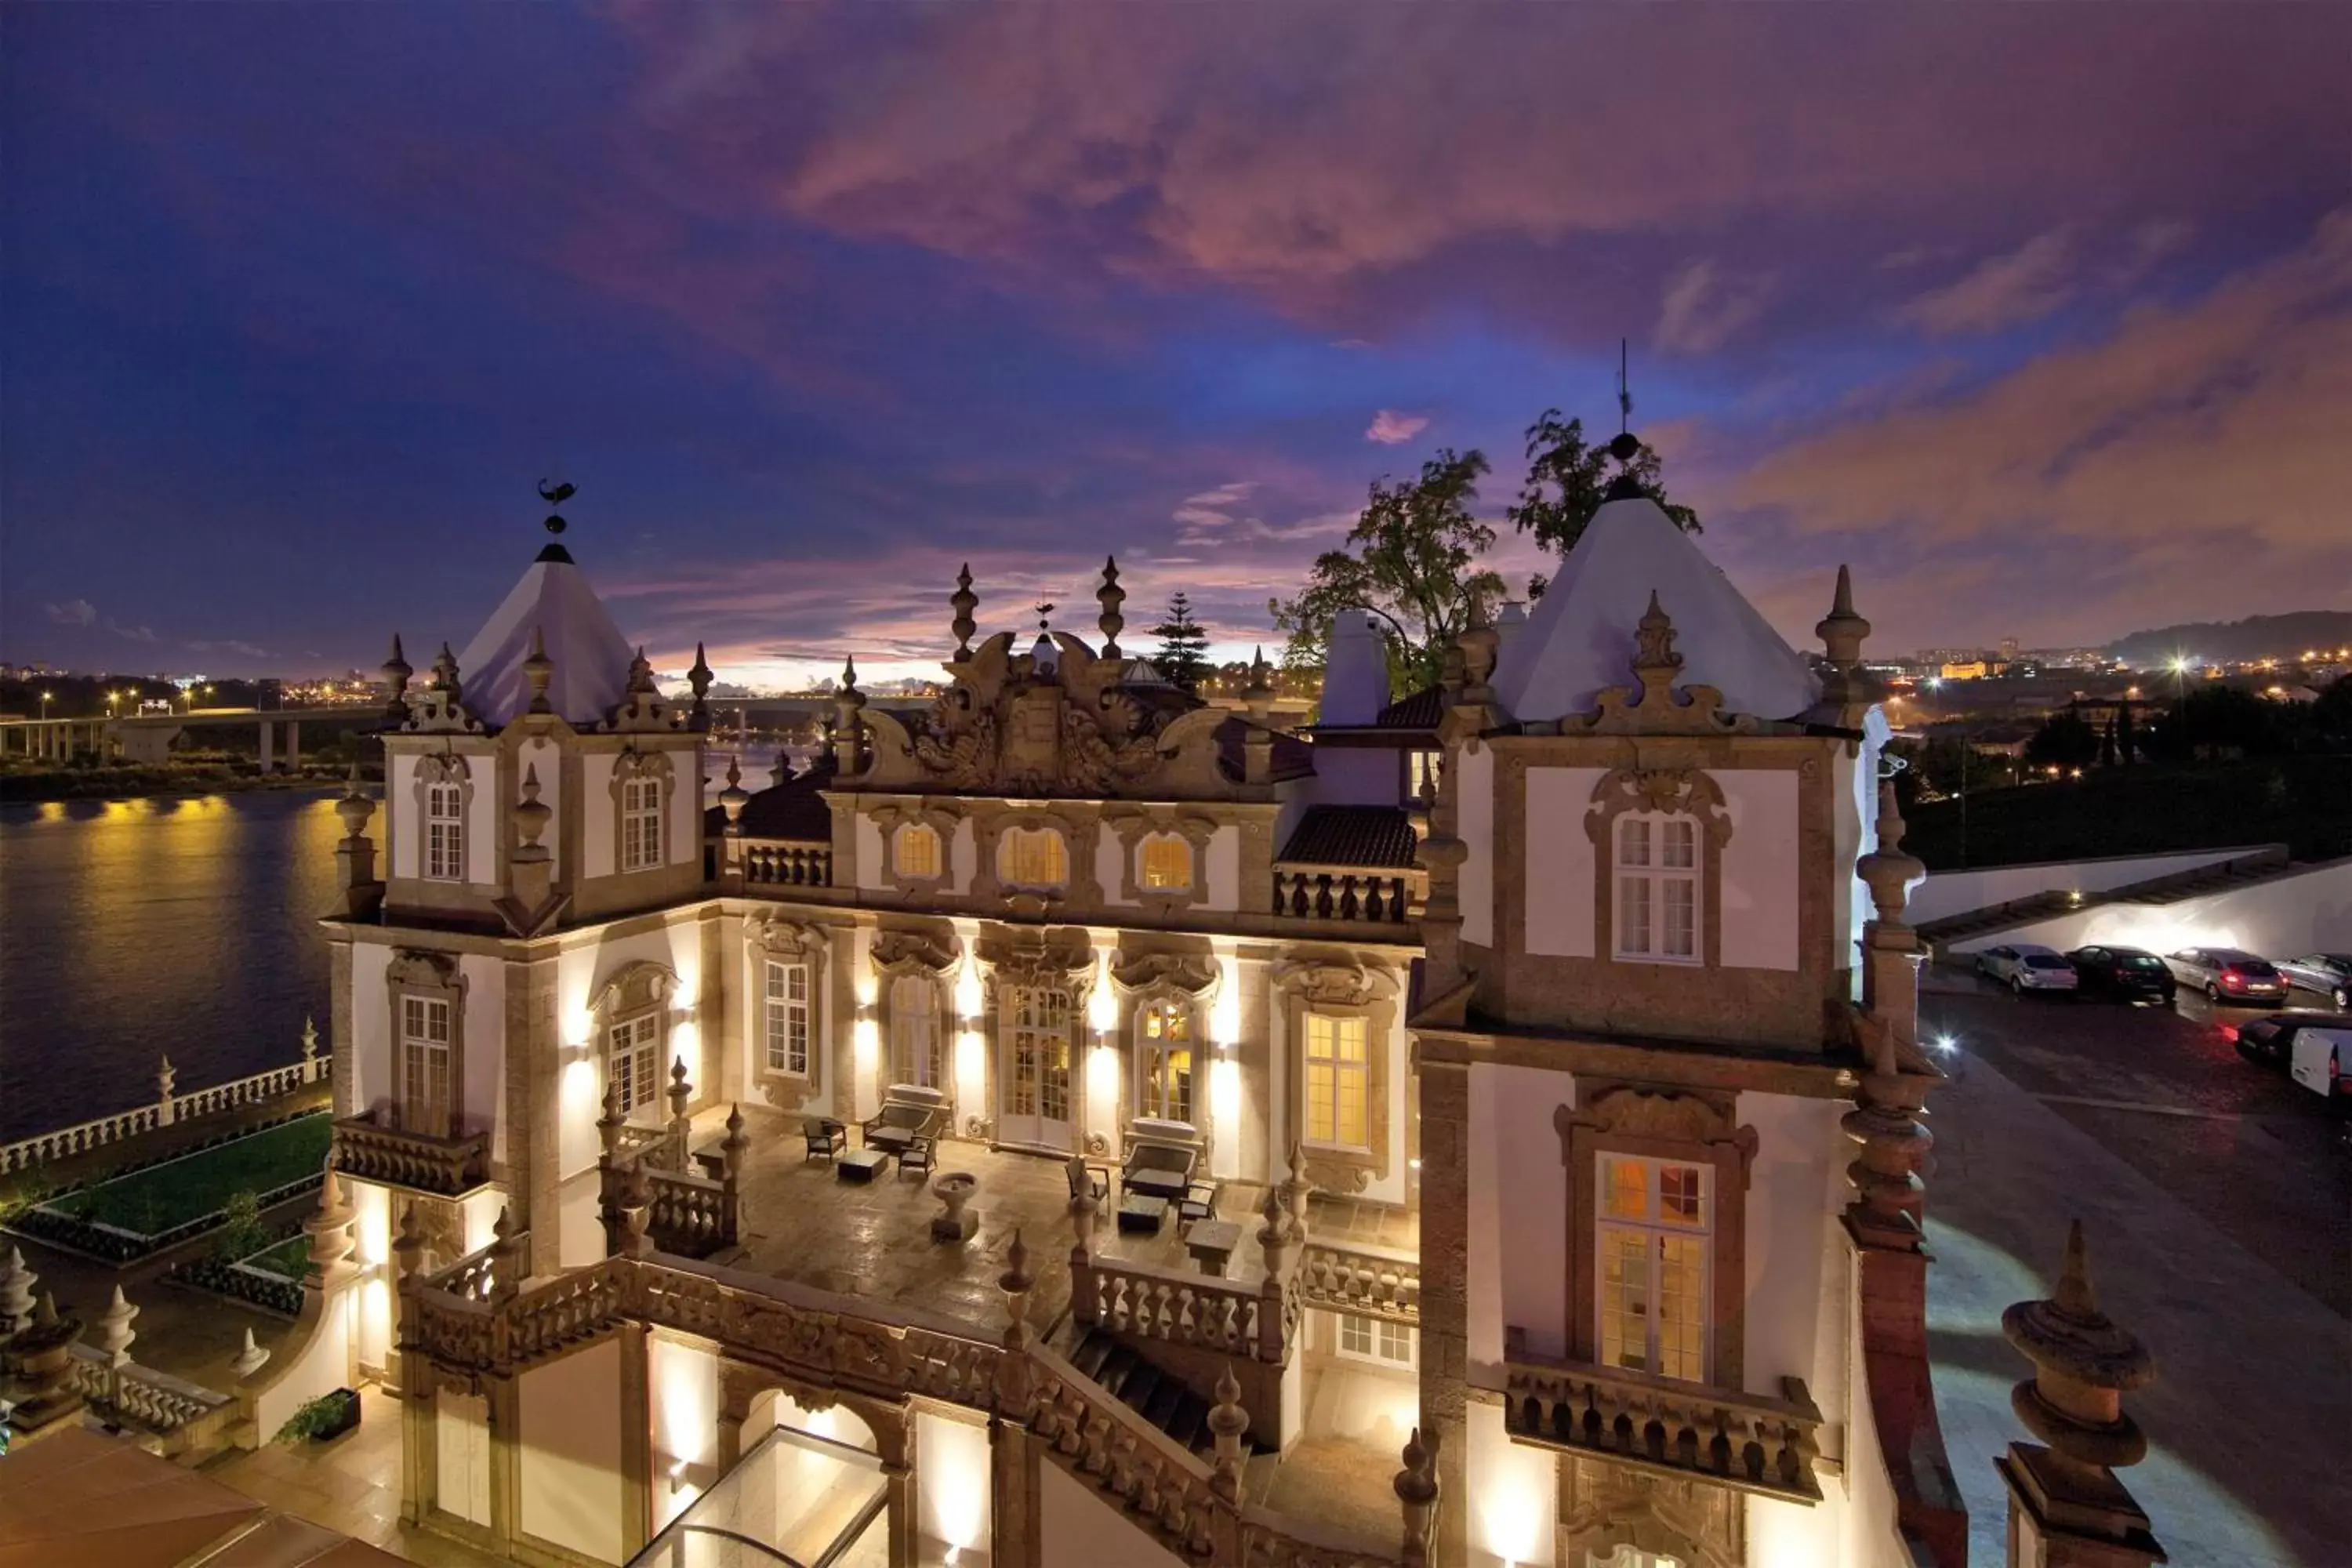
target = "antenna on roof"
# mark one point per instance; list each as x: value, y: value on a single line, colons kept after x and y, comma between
x: 1624, y: 394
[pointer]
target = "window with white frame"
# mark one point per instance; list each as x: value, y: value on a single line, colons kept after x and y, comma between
x: 633, y: 1063
x: 1657, y: 888
x: 1421, y: 774
x: 1041, y: 1017
x: 1375, y: 1339
x: 914, y: 1055
x: 1167, y: 864
x: 1338, y: 1081
x: 445, y: 831
x: 1163, y: 1038
x: 641, y: 822
x: 788, y: 1017
x: 1653, y: 1233
x: 1032, y: 857
x: 424, y: 1065
x: 915, y: 852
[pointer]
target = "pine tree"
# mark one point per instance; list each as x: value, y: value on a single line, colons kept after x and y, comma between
x: 2124, y: 740
x: 2107, y: 744
x: 1183, y: 644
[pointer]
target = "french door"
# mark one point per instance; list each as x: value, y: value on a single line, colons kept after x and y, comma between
x: 1035, y: 1086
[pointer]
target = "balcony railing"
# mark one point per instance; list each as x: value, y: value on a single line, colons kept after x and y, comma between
x: 785, y: 863
x: 1743, y: 1440
x: 444, y: 1167
x: 1358, y: 1276
x: 1352, y: 893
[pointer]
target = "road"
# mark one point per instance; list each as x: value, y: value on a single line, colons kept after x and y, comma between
x: 2166, y: 1091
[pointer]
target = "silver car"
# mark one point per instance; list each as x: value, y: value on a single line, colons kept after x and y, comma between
x: 2329, y: 973
x: 2226, y: 974
x: 2026, y: 966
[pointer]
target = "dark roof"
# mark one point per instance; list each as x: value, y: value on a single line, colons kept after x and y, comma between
x: 1421, y: 710
x: 1353, y: 835
x: 791, y: 810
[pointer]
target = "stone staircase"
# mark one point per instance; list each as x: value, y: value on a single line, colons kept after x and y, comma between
x: 1939, y: 936
x: 1161, y: 1397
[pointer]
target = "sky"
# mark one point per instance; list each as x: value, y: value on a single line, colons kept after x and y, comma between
x: 2040, y: 317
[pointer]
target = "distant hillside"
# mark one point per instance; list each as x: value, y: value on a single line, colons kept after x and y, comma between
x: 2256, y: 636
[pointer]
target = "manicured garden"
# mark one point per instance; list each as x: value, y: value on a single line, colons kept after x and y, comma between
x: 287, y: 1260
x: 160, y: 1205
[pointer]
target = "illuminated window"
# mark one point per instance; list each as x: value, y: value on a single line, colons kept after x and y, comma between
x: 1164, y: 1044
x: 1337, y: 1082
x: 914, y: 1035
x: 633, y: 1063
x: 1032, y: 857
x: 1375, y: 1339
x: 641, y: 813
x: 1653, y: 1239
x: 916, y: 851
x: 1657, y: 888
x: 1422, y: 775
x: 424, y: 1065
x: 1041, y: 1019
x: 1167, y: 863
x: 788, y: 1019
x: 444, y: 832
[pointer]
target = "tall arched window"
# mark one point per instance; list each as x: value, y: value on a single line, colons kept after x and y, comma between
x: 1658, y: 872
x: 1163, y: 1061
x: 641, y: 822
x: 633, y: 1053
x: 445, y: 831
x: 916, y: 1056
x: 1653, y: 1238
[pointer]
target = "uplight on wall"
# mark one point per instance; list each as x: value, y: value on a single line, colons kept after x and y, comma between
x: 1225, y: 1012
x: 1102, y: 1003
x: 968, y: 993
x: 866, y: 1042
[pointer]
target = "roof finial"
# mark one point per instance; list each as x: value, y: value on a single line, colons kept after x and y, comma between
x: 1841, y: 631
x: 1626, y: 447
x: 556, y: 493
x: 1110, y: 595
x: 964, y: 602
x: 539, y: 669
x: 1625, y: 393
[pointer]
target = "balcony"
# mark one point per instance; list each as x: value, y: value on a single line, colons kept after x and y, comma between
x: 441, y: 1167
x: 1745, y: 1441
x: 785, y: 863
x: 1355, y: 895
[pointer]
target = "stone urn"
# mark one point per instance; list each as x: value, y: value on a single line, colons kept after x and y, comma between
x: 954, y: 1189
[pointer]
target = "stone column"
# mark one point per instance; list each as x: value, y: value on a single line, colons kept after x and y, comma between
x: 293, y: 745
x: 1891, y: 956
x: 1444, y: 1293
x: 2066, y: 1507
x: 268, y: 739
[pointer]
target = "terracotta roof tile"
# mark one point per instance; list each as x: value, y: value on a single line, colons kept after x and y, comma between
x: 1378, y: 835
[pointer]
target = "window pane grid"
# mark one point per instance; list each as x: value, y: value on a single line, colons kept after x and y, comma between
x: 1658, y: 872
x: 444, y: 833
x: 788, y: 1019
x: 1652, y: 1259
x: 919, y: 852
x: 1167, y: 863
x: 640, y: 824
x: 1337, y: 1081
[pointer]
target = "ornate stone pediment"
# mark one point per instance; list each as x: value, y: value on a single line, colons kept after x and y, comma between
x: 1650, y: 707
x: 1055, y: 957
x: 774, y: 933
x: 1606, y: 1506
x: 1670, y: 790
x: 896, y: 949
x: 1658, y: 1111
x: 413, y: 966
x: 1340, y: 980
x: 1193, y: 973
x: 642, y: 985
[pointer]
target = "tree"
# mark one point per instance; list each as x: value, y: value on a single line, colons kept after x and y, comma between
x: 1183, y: 644
x: 1566, y: 485
x: 2107, y: 743
x: 1410, y: 562
x: 2065, y: 739
x: 2125, y: 740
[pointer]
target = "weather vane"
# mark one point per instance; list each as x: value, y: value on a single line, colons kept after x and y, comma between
x: 1044, y: 610
x: 1624, y: 394
x: 556, y: 495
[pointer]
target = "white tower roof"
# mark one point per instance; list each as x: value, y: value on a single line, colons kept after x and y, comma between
x: 590, y: 656
x: 1579, y: 641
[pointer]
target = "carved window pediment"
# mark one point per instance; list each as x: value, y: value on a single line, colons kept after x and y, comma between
x: 902, y: 949
x: 1193, y: 975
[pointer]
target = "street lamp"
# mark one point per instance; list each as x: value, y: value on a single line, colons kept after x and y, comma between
x: 45, y: 697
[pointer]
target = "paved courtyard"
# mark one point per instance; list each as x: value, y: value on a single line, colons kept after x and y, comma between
x: 2216, y: 1220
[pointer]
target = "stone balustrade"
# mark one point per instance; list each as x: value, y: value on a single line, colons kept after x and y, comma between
x: 691, y: 1215
x: 1352, y: 893
x: 444, y: 1167
x: 1370, y: 1281
x: 785, y: 863
x: 1149, y: 1303
x: 168, y: 1107
x: 1744, y: 1440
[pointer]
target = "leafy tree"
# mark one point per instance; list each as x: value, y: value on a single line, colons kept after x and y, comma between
x: 1183, y: 646
x: 2107, y: 743
x: 1565, y: 483
x: 2065, y: 739
x: 242, y: 1234
x: 2126, y: 741
x: 1410, y: 562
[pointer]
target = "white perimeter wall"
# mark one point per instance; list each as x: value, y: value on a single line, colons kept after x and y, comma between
x: 2309, y: 910
x: 1947, y: 893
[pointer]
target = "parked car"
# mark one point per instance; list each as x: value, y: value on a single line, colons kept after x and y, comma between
x: 2226, y: 974
x: 2329, y: 973
x: 2315, y: 1047
x: 2025, y: 966
x: 2132, y: 973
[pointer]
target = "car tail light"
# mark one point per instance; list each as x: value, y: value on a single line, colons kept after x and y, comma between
x: 2229, y: 1032
x: 2232, y: 977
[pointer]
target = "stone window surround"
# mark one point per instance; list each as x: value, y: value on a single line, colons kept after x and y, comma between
x: 1188, y: 981
x: 640, y: 989
x: 788, y: 942
x: 1698, y: 1127
x: 1665, y: 792
x: 1064, y: 960
x: 896, y: 955
x: 941, y: 819
x: 444, y: 767
x: 1135, y: 827
x: 1340, y: 986
x: 1078, y: 832
x: 436, y: 977
x: 632, y: 764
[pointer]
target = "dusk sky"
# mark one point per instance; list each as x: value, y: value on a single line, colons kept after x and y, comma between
x: 2040, y: 316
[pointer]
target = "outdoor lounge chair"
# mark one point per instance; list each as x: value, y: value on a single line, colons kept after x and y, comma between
x: 1093, y: 1181
x: 918, y: 1157
x: 1159, y: 1169
x: 824, y: 1136
x: 909, y: 1111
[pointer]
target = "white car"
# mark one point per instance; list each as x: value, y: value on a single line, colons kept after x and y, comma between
x: 2024, y: 966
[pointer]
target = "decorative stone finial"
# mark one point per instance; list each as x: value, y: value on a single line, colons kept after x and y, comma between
x: 16, y: 1282
x: 608, y: 1126
x: 353, y: 807
x: 1841, y: 631
x: 115, y: 1333
x: 530, y: 817
x: 735, y: 1145
x: 249, y: 1360
x: 1110, y: 595
x: 733, y: 798
x: 641, y: 674
x: 310, y: 1040
x: 847, y: 728
x: 1227, y: 1422
x: 1416, y: 1490
x: 1886, y: 870
x: 165, y: 1076
x: 408, y: 1247
x: 396, y: 672
x: 540, y: 670
x: 445, y: 674
x: 699, y: 678
x: 1654, y: 643
x: 964, y: 602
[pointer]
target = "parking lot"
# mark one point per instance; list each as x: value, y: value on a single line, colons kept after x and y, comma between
x: 2165, y: 1090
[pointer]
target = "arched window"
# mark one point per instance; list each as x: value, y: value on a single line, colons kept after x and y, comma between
x: 444, y: 830
x: 1339, y: 1091
x: 1163, y: 1061
x: 1032, y: 857
x: 915, y: 1055
x: 633, y: 1064
x: 641, y: 822
x: 1653, y: 1237
x: 1658, y: 872
x: 1167, y: 864
x: 788, y: 1013
x: 915, y: 852
x: 426, y: 1033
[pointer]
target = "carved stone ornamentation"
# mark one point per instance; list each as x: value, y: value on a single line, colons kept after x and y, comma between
x: 1606, y: 1506
x: 1650, y: 707
x: 1192, y: 974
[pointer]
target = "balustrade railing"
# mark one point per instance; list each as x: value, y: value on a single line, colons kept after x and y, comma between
x: 1353, y: 893
x: 166, y: 1109
x: 1361, y: 1278
x: 444, y: 1167
x: 152, y: 1402
x: 783, y: 863
x: 1744, y: 1440
x: 690, y: 1216
x: 1201, y: 1309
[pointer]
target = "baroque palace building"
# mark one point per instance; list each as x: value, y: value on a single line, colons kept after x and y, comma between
x: 1480, y: 1128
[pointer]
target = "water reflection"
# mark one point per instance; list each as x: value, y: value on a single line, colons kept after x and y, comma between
x: 132, y: 929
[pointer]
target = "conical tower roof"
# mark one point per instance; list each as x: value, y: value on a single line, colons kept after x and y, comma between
x: 590, y: 656
x: 1579, y: 641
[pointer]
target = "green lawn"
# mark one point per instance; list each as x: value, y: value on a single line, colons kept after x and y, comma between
x: 162, y: 1196
x: 2304, y: 802
x: 288, y: 1259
